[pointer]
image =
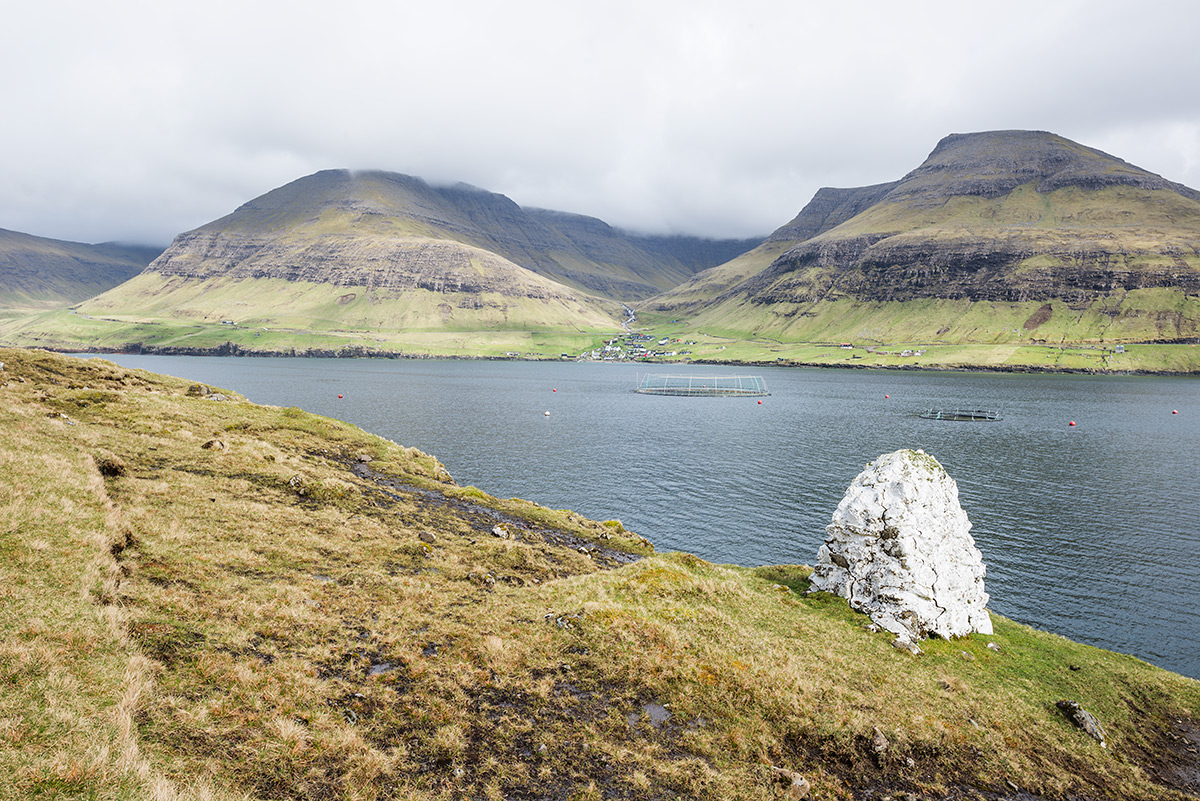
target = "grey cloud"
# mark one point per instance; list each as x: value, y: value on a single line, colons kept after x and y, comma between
x: 136, y: 121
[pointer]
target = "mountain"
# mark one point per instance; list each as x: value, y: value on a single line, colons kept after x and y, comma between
x: 304, y: 227
x: 1000, y: 236
x: 38, y: 273
x: 376, y: 261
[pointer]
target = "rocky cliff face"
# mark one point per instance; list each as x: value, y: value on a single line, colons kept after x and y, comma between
x: 433, y: 264
x: 994, y: 269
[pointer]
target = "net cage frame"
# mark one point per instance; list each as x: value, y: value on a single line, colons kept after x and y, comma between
x: 702, y: 386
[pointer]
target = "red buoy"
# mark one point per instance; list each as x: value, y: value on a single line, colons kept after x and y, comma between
x: 1071, y: 423
x: 339, y: 396
x: 1174, y: 411
x: 760, y: 403
x: 886, y: 396
x: 554, y: 390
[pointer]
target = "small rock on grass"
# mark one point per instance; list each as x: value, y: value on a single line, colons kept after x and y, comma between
x: 1083, y: 719
x: 798, y: 787
x: 427, y: 536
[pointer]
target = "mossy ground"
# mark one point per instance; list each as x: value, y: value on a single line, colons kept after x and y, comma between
x: 262, y: 618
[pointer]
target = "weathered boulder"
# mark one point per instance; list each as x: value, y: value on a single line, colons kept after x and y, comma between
x: 1083, y: 719
x: 900, y: 549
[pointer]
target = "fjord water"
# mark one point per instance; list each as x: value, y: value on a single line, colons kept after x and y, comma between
x: 1088, y: 531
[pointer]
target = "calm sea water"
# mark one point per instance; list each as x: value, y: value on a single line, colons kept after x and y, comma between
x: 1089, y: 531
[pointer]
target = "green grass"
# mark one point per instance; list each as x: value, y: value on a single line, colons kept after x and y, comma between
x: 203, y: 623
x: 66, y: 330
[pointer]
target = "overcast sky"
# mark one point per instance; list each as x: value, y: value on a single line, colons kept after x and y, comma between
x: 135, y: 121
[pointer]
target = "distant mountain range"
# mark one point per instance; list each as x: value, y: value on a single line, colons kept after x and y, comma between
x: 998, y: 237
x: 38, y: 273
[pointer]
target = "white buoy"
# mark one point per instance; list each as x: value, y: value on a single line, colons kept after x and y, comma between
x: 547, y: 414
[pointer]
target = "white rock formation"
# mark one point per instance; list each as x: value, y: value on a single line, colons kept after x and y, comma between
x: 900, y: 549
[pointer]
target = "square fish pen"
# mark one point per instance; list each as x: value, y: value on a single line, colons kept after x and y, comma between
x: 703, y: 386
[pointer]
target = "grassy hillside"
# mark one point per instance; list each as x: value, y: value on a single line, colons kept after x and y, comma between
x: 37, y: 274
x: 850, y: 302
x: 474, y: 304
x: 70, y: 331
x: 209, y: 599
x: 1133, y: 316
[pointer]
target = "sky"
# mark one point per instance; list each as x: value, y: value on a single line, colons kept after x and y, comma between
x: 133, y: 121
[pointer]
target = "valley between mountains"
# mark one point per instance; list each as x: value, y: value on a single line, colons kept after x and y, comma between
x: 1003, y: 250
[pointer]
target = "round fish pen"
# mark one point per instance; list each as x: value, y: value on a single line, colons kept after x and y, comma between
x: 969, y: 415
x: 703, y: 386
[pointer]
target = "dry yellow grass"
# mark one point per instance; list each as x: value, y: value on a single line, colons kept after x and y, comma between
x: 306, y: 611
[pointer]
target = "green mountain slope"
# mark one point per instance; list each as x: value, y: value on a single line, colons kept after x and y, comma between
x: 38, y: 273
x: 828, y: 208
x: 999, y: 237
x: 210, y: 600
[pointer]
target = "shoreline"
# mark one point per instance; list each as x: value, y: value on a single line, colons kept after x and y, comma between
x: 230, y: 349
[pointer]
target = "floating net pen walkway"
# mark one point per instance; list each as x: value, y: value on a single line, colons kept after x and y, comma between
x: 708, y: 386
x: 971, y: 415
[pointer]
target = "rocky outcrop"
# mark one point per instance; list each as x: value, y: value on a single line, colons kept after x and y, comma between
x: 350, y: 261
x: 900, y: 549
x: 985, y: 268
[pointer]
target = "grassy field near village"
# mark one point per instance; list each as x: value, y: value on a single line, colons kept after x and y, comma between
x: 208, y: 599
x: 66, y: 330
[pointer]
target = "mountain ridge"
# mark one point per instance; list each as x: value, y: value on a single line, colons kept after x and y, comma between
x: 41, y: 273
x: 581, y: 251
